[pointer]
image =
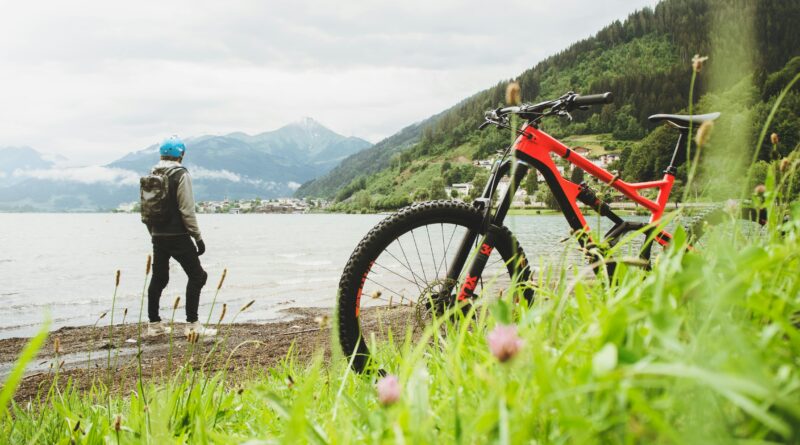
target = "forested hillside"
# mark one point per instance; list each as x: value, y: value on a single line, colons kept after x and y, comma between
x: 644, y: 60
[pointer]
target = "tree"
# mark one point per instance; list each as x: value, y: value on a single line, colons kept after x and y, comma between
x: 549, y: 200
x: 436, y: 190
x: 531, y: 184
x: 363, y: 200
x: 478, y: 184
x: 577, y: 175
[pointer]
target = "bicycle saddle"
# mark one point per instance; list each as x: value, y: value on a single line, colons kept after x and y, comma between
x: 683, y: 121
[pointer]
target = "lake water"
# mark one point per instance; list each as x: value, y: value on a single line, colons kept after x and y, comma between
x: 63, y: 265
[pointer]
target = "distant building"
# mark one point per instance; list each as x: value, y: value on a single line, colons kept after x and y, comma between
x: 583, y: 151
x: 484, y: 163
x: 463, y: 189
x: 128, y: 207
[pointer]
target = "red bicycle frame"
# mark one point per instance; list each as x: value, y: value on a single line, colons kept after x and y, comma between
x: 534, y: 146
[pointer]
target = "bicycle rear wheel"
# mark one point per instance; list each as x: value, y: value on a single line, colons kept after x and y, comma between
x: 397, y: 274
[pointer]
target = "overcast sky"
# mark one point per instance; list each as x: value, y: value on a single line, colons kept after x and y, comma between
x: 93, y: 80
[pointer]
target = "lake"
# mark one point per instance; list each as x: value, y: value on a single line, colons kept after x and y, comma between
x: 63, y: 265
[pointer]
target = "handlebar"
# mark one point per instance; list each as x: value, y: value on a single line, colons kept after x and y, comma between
x: 561, y: 106
x: 593, y: 99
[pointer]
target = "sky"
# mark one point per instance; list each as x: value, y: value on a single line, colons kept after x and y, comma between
x: 91, y: 80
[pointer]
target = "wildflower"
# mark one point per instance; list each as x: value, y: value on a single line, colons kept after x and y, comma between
x: 697, y: 62
x: 57, y: 345
x: 513, y: 94
x: 224, y: 310
x: 177, y: 302
x: 703, y: 133
x: 247, y: 306
x: 760, y: 189
x: 117, y: 279
x: 504, y: 343
x: 149, y: 262
x: 774, y: 138
x: 784, y: 165
x: 388, y: 390
x: 731, y: 205
x: 118, y: 423
x: 222, y: 279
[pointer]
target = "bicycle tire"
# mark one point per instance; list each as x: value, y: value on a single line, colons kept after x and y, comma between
x: 380, y: 237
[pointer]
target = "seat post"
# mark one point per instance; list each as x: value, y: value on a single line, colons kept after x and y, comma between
x: 671, y: 170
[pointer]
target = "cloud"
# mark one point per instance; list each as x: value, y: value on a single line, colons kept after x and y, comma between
x: 293, y: 185
x: 204, y: 173
x: 92, y: 79
x: 201, y: 173
x: 83, y: 175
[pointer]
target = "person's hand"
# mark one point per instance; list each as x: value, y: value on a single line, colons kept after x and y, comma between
x: 201, y: 247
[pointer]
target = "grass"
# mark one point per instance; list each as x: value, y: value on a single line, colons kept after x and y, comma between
x: 701, y: 349
x: 596, y: 143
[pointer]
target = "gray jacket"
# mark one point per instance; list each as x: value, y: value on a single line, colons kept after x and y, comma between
x: 185, y: 198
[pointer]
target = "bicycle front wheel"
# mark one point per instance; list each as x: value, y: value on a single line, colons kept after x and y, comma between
x: 397, y: 275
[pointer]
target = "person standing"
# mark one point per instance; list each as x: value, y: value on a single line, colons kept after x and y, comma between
x: 168, y: 211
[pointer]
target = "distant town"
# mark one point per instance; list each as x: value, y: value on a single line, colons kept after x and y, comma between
x: 237, y: 206
x: 302, y: 205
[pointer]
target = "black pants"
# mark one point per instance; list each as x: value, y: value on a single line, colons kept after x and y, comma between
x: 183, y: 250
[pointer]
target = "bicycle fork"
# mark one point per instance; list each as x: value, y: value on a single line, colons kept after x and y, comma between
x: 491, y: 227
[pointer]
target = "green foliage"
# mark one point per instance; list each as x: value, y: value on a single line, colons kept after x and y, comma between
x: 645, y: 61
x: 27, y: 355
x: 531, y: 183
x: 479, y: 183
x: 701, y: 349
x: 546, y: 196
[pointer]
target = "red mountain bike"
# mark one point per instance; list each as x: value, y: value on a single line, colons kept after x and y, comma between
x: 432, y: 255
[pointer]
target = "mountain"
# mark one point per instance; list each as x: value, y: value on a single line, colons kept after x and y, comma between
x: 20, y: 158
x: 363, y: 163
x: 645, y: 61
x: 237, y: 165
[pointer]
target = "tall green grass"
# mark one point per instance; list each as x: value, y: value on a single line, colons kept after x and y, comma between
x: 702, y: 349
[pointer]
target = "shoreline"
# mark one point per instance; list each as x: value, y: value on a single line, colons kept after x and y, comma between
x: 83, y: 352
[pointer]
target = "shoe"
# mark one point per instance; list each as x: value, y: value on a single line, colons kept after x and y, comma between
x: 157, y: 328
x: 198, y: 329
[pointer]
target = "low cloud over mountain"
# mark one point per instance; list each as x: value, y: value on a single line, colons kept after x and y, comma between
x: 237, y: 165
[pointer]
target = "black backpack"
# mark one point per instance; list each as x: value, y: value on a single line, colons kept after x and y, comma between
x: 154, y: 194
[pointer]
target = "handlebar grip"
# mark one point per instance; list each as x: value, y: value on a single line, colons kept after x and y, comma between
x: 593, y: 99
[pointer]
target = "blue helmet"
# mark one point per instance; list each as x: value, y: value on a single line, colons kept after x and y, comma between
x: 173, y: 147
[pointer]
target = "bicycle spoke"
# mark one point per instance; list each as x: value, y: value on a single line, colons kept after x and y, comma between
x: 444, y: 256
x: 395, y: 273
x: 407, y: 266
x: 419, y: 256
x: 433, y: 256
x: 381, y: 285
